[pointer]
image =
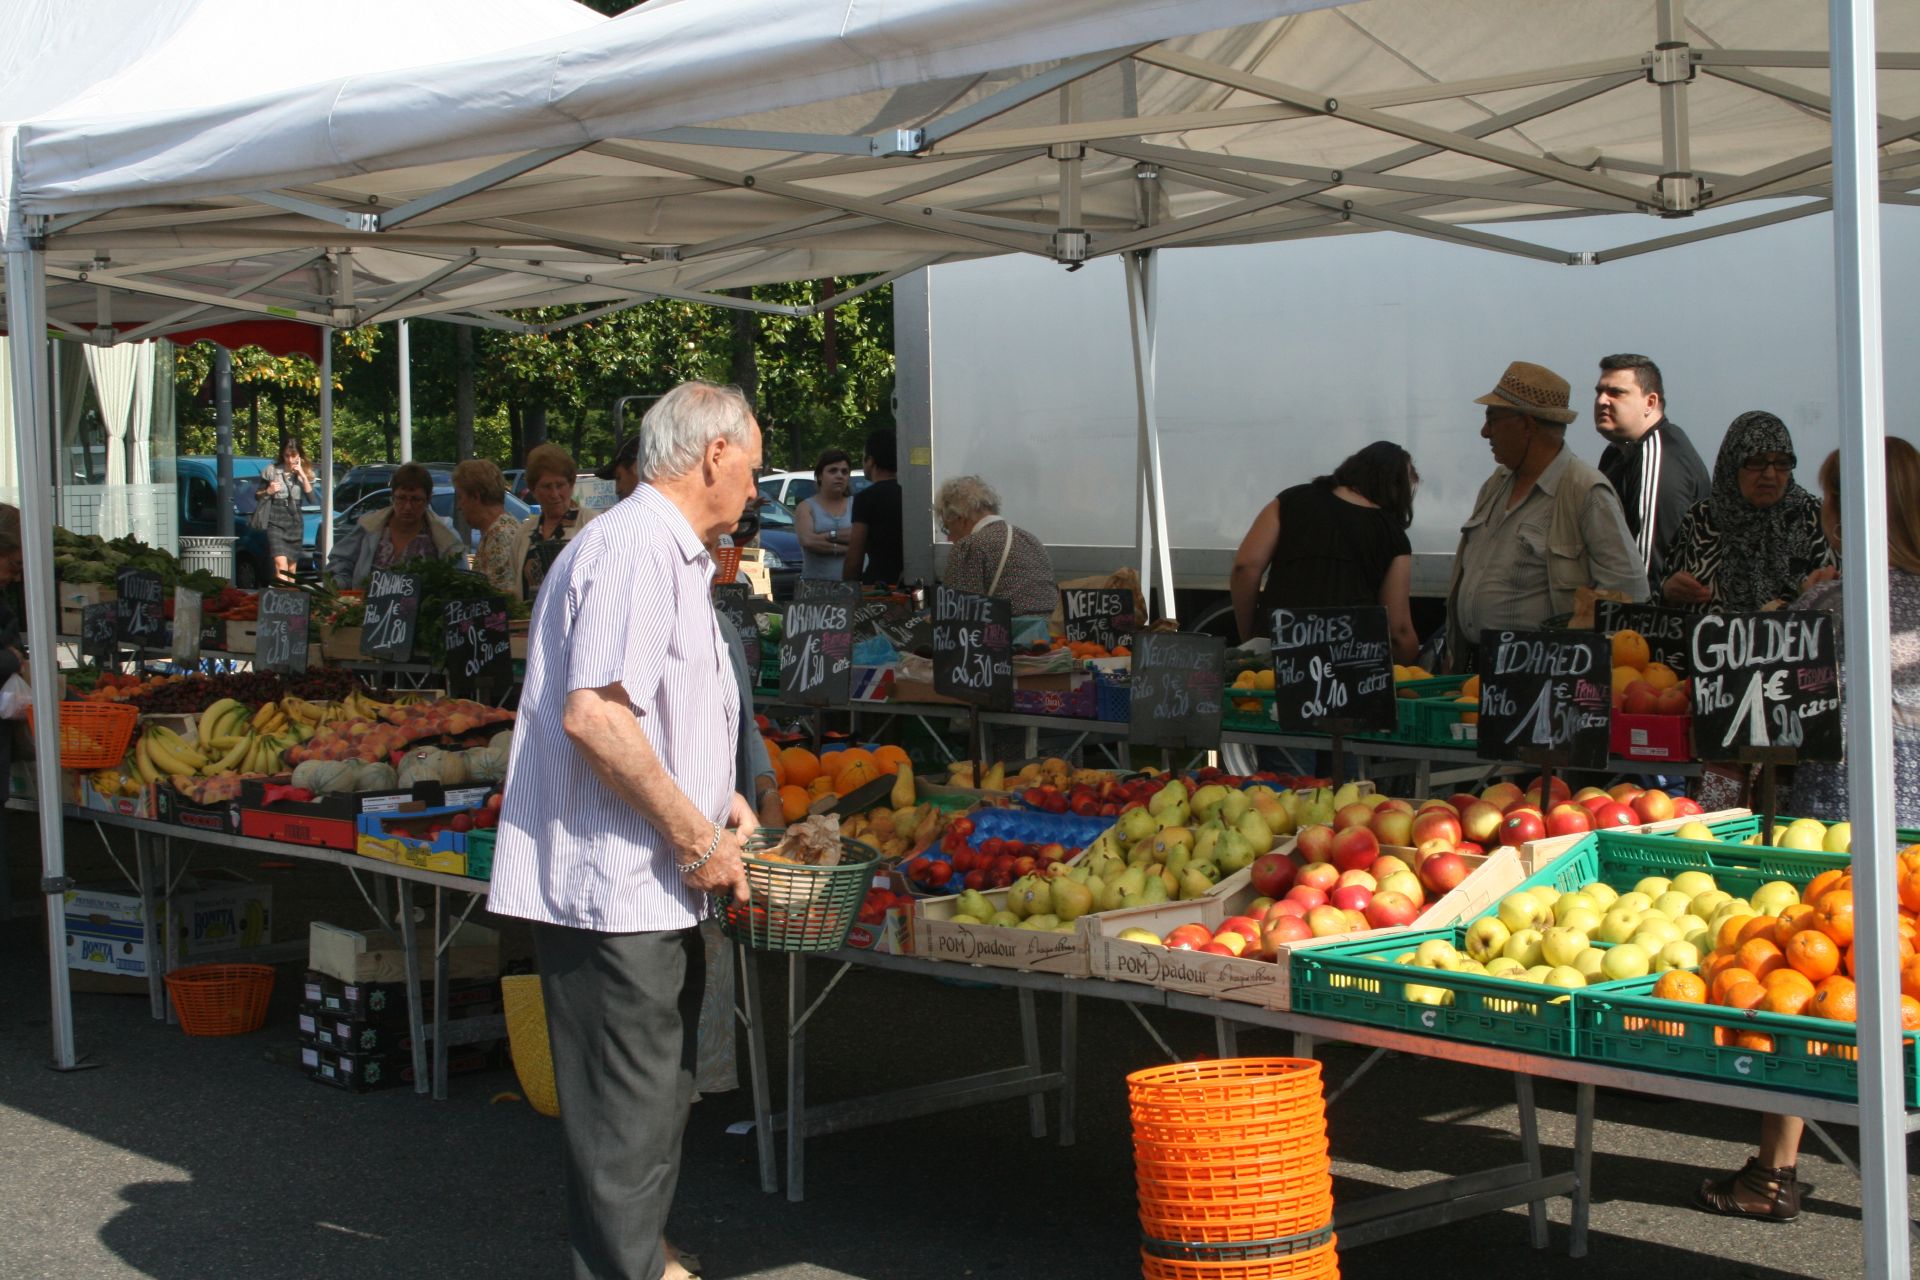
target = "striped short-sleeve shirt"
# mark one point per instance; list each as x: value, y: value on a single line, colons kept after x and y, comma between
x: 628, y: 603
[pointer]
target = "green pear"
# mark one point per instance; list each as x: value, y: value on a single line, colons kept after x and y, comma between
x: 1171, y: 881
x: 1134, y: 881
x: 1235, y: 807
x: 1177, y: 860
x: 1033, y: 895
x: 1071, y: 900
x: 1106, y: 845
x: 1005, y: 919
x: 1194, y: 883
x: 1142, y: 854
x: 1170, y: 839
x: 1040, y: 924
x: 1254, y: 830
x: 961, y: 917
x: 974, y: 903
x: 1145, y: 937
x: 1155, y: 892
x: 1206, y: 838
x: 1107, y: 897
x: 1207, y: 801
x: 1349, y: 793
x: 1235, y: 852
x: 1106, y: 864
x: 1136, y: 825
x: 1174, y: 793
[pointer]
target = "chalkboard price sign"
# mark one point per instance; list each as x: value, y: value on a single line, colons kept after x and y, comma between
x: 143, y: 615
x: 816, y: 653
x: 1098, y: 615
x: 280, y: 638
x: 1766, y: 687
x: 186, y: 626
x: 1333, y: 670
x: 973, y: 648
x: 1546, y: 698
x: 1177, y: 689
x: 732, y: 601
x: 828, y: 590
x: 478, y: 643
x: 393, y: 616
x: 1666, y: 631
x: 100, y: 632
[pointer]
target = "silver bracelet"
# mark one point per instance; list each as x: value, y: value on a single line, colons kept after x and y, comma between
x: 701, y: 861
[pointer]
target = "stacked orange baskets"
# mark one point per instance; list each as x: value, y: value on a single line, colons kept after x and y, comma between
x: 1231, y: 1162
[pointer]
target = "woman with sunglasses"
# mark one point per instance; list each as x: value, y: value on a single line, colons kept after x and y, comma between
x: 1756, y: 539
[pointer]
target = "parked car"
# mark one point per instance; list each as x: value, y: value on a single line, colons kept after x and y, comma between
x: 363, y: 480
x: 196, y: 485
x: 441, y: 504
x: 791, y: 488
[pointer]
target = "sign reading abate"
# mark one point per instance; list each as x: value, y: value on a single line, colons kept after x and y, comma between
x: 479, y: 644
x: 100, y: 632
x: 1665, y: 630
x: 1546, y: 698
x: 1177, y: 689
x: 186, y: 626
x: 973, y: 648
x: 143, y: 614
x: 1098, y: 615
x: 1765, y: 685
x: 816, y: 653
x: 393, y: 615
x: 280, y: 637
x: 1333, y: 670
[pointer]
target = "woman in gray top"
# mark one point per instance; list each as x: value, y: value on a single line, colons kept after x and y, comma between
x: 282, y: 489
x: 821, y: 521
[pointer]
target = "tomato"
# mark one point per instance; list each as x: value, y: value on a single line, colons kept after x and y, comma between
x: 939, y: 873
x: 993, y: 846
x: 961, y: 827
x: 461, y: 822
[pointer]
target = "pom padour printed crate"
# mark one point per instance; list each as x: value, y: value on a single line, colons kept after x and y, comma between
x: 938, y: 936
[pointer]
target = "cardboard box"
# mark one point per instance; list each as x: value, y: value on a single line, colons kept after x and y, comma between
x: 220, y: 816
x: 354, y: 957
x: 241, y: 636
x: 341, y: 644
x: 326, y: 1030
x: 894, y: 934
x: 367, y: 1072
x: 142, y: 804
x: 905, y: 690
x: 1265, y: 983
x: 396, y: 837
x: 106, y: 929
x: 385, y: 1003
x: 331, y: 821
x: 937, y: 936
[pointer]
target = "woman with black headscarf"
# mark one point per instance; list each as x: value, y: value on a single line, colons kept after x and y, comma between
x: 1755, y: 539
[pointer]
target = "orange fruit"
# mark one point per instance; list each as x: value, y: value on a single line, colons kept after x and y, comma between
x: 831, y: 762
x: 1760, y: 957
x: 801, y: 766
x: 1834, y: 999
x: 891, y: 759
x: 773, y: 757
x: 1756, y: 927
x: 1785, y: 998
x: 793, y: 802
x: 1909, y: 887
x: 1909, y: 1014
x: 855, y: 755
x: 1813, y: 954
x: 1729, y: 936
x: 1792, y: 920
x: 1910, y: 976
x: 1678, y: 984
x: 1817, y: 887
x: 1754, y: 1041
x: 1745, y: 995
x: 1660, y: 676
x: 1630, y: 650
x: 820, y: 786
x: 1835, y: 919
x: 1716, y: 961
x: 853, y: 775
x: 1727, y: 979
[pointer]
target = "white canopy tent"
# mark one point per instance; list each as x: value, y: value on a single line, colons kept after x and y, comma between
x: 692, y: 147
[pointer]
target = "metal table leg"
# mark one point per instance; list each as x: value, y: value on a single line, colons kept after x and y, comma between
x: 796, y: 1078
x: 416, y: 1022
x: 747, y: 965
x: 1069, y: 1063
x: 1530, y: 1150
x: 1226, y: 1037
x: 1582, y: 1170
x: 1030, y: 1043
x: 152, y: 935
x: 440, y: 963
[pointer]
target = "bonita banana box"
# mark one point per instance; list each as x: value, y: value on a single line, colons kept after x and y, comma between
x: 106, y: 930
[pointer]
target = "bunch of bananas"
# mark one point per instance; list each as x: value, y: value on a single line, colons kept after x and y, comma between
x: 359, y: 704
x: 231, y: 740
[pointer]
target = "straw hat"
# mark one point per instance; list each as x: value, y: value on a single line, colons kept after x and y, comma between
x: 1534, y: 390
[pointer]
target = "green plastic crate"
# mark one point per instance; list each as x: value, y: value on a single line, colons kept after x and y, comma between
x: 1359, y: 982
x: 1622, y: 858
x: 1433, y: 687
x: 1435, y: 720
x: 1261, y: 721
x: 480, y: 854
x: 1626, y: 1025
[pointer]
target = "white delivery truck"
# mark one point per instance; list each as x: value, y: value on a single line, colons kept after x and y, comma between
x: 1277, y: 361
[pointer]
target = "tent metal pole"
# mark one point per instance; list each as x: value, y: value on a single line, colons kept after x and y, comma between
x: 406, y: 394
x: 1869, y: 694
x: 324, y: 543
x: 1156, y: 473
x: 223, y: 444
x: 27, y: 312
x: 1143, y: 496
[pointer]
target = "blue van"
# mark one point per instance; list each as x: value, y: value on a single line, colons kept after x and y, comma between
x: 197, y: 483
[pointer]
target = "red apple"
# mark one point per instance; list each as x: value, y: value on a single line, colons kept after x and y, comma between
x: 1624, y: 792
x: 1501, y: 795
x: 1393, y: 804
x: 1481, y: 821
x: 1392, y: 826
x: 1653, y: 806
x: 1246, y: 926
x: 1315, y: 843
x: 1585, y: 794
x: 1640, y: 700
x: 1592, y: 803
x: 1234, y: 942
x: 1189, y: 937
x: 1686, y: 807
x: 1561, y: 791
x: 1460, y: 800
x: 1355, y: 849
x: 1387, y: 864
x: 1432, y: 849
x: 1671, y: 702
x: 1216, y: 949
x: 1273, y: 874
x: 1521, y: 826
x: 1613, y: 815
x: 1289, y: 907
x: 1306, y: 895
x: 1325, y: 921
x: 1321, y: 875
x: 1435, y: 802
x: 1365, y: 879
x: 1354, y: 815
x: 1470, y: 849
x: 1283, y: 931
x: 1443, y: 872
x: 1437, y: 824
x: 1352, y: 897
x: 1356, y: 921
x: 1389, y: 909
x: 1568, y: 819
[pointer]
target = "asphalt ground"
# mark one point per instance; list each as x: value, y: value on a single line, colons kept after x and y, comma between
x: 187, y: 1158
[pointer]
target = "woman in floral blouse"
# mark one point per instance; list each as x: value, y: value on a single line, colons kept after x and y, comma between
x: 480, y: 493
x: 550, y: 476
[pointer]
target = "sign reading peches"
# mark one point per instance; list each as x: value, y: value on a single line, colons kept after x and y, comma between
x: 393, y: 616
x: 973, y: 648
x: 1333, y: 670
x: 1766, y: 686
x: 143, y: 614
x: 479, y: 644
x: 816, y: 652
x: 280, y: 637
x: 1546, y: 698
x: 1665, y: 630
x: 1098, y: 615
x: 1177, y: 689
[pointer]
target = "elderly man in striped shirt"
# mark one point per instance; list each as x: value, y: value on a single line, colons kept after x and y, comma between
x: 615, y: 827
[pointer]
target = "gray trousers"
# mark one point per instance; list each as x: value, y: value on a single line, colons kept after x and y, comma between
x: 622, y: 1014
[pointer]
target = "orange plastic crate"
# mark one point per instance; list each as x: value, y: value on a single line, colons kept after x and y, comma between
x: 94, y: 735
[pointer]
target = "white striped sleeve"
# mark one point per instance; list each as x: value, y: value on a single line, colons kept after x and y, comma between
x: 1650, y: 457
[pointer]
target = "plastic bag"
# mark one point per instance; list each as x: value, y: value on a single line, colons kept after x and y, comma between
x: 15, y: 698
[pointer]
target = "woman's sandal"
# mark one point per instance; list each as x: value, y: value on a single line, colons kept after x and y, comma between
x: 1769, y: 1195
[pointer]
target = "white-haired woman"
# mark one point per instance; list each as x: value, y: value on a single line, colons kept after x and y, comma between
x: 990, y: 556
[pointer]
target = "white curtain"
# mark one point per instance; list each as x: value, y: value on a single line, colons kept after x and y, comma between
x: 9, y: 458
x: 139, y: 448
x: 115, y: 373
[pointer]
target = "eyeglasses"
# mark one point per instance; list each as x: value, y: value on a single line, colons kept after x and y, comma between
x: 1785, y: 465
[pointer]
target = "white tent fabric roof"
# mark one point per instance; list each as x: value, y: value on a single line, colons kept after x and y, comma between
x: 691, y: 147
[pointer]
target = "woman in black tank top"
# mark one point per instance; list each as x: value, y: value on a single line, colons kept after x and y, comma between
x: 1339, y: 540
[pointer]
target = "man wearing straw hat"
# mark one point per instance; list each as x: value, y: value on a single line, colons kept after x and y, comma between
x: 1545, y: 523
x: 621, y: 817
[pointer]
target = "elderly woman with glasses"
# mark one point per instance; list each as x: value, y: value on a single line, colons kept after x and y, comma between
x: 1755, y: 541
x: 990, y: 557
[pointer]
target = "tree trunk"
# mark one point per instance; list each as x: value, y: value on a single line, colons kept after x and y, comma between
x: 253, y: 419
x: 516, y: 437
x: 534, y: 425
x: 462, y: 392
x: 280, y: 413
x: 390, y: 431
x: 579, y: 433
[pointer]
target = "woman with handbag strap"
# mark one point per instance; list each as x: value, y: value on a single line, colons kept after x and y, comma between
x: 283, y: 489
x: 990, y: 556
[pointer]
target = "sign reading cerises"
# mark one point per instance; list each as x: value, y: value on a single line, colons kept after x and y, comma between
x: 1176, y: 689
x: 280, y: 637
x: 393, y: 615
x: 1665, y: 630
x: 973, y: 648
x: 478, y: 642
x: 1765, y: 685
x: 143, y: 614
x: 1098, y: 615
x: 1333, y: 670
x: 816, y: 652
x: 1546, y: 697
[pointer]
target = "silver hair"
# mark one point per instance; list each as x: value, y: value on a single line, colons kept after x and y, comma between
x: 683, y: 422
x: 965, y: 496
